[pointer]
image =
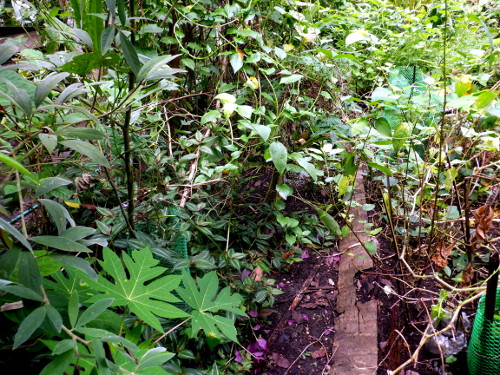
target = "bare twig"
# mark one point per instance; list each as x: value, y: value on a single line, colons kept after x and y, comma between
x: 192, y: 173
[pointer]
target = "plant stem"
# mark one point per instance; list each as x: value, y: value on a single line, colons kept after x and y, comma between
x: 126, y: 145
x: 172, y: 329
x: 75, y: 337
x: 21, y: 205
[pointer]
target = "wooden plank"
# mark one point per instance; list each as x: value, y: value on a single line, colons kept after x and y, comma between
x: 356, y: 348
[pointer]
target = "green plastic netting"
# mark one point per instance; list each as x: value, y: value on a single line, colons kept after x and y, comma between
x: 180, y: 243
x: 410, y: 84
x: 483, y: 355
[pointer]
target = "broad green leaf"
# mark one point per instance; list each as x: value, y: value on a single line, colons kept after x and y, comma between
x: 81, y: 65
x: 107, y: 38
x: 58, y: 213
x: 383, y: 126
x: 343, y: 185
x: 329, y: 222
x: 350, y: 165
x: 50, y: 184
x: 188, y: 63
x: 9, y: 259
x: 236, y: 61
x: 145, y: 301
x: 401, y: 134
x: 244, y: 111
x: 54, y: 317
x: 20, y: 97
x: 70, y: 92
x: 381, y: 168
x: 122, y: 14
x: 485, y: 98
x: 45, y: 87
x: 28, y: 272
x: 61, y: 243
x: 106, y: 336
x: 262, y: 130
x: 280, y: 53
x: 6, y: 51
x: 359, y: 126
x: 49, y: 141
x: 89, y: 150
x: 309, y: 168
x: 93, y: 22
x: 279, y: 156
x: 153, y: 65
x: 94, y: 311
x: 76, y: 263
x: 130, y: 54
x: 77, y: 233
x: 360, y: 36
x: 13, y: 163
x: 14, y: 233
x: 205, y: 301
x: 284, y: 190
x: 29, y: 325
x: 154, y: 357
x: 80, y: 133
x: 20, y: 291
x: 84, y: 37
x: 287, y: 222
x: 371, y: 247
x: 73, y: 308
x: 210, y: 116
x: 291, y: 79
x: 384, y: 94
x: 67, y: 108
x: 60, y: 364
x: 99, y: 354
x: 63, y: 346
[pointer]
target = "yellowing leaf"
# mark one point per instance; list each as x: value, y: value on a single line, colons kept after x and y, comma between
x: 288, y: 47
x: 72, y: 204
x: 240, y: 52
x: 253, y: 82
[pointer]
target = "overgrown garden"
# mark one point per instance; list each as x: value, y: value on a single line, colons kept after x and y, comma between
x: 161, y: 160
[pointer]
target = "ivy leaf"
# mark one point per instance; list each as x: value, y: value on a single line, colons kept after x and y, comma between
x: 143, y: 291
x: 330, y: 222
x: 205, y: 301
x: 279, y: 156
x: 291, y: 79
x: 236, y: 61
x: 284, y: 190
x: 401, y: 133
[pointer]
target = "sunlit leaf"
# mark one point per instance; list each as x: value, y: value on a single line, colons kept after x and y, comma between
x: 143, y: 291
x: 205, y: 299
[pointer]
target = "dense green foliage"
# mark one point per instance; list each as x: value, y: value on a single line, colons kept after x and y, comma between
x: 132, y: 125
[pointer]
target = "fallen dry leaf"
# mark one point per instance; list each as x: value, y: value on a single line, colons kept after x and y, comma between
x: 257, y: 274
x: 308, y: 305
x: 297, y: 316
x: 484, y: 221
x: 467, y: 275
x: 280, y: 360
x: 318, y: 353
x: 440, y: 257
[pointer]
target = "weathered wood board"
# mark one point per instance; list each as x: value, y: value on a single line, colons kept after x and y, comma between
x: 356, y: 347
